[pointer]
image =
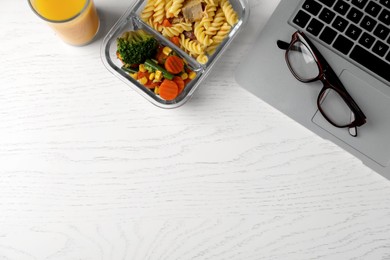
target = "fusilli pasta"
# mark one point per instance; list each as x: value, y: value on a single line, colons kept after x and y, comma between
x: 218, y: 38
x: 191, y: 45
x: 200, y: 35
x: 176, y: 29
x: 148, y: 11
x: 175, y: 9
x: 230, y: 14
x: 159, y: 11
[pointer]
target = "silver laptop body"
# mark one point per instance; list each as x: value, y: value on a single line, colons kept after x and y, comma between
x: 264, y: 73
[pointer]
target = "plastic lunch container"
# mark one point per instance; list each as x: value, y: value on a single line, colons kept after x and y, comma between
x: 131, y: 20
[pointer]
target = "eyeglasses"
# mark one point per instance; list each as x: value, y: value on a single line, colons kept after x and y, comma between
x: 334, y: 102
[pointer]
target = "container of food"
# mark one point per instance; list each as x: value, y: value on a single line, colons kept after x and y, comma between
x: 196, y: 31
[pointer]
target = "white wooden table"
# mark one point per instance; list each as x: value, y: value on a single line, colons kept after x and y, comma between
x: 89, y: 169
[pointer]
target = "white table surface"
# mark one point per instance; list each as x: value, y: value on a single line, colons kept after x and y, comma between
x: 89, y: 169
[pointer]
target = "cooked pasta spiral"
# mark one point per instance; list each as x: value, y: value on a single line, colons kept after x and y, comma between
x: 175, y: 9
x: 148, y: 11
x: 216, y: 24
x: 202, y: 59
x: 159, y: 11
x: 176, y: 29
x: 218, y: 38
x: 230, y: 14
x: 209, y: 12
x: 200, y: 34
x: 158, y: 27
x: 168, y: 5
x: 190, y: 45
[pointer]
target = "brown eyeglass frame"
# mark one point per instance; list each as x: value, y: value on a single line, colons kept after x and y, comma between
x: 329, y: 80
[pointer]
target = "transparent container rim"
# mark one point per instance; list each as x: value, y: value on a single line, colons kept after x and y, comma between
x: 206, y: 68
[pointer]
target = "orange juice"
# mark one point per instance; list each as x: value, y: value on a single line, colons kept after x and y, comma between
x: 75, y: 21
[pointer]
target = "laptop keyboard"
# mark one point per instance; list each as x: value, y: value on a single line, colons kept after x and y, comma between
x: 356, y: 29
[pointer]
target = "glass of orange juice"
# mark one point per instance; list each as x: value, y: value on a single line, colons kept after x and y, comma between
x: 76, y: 22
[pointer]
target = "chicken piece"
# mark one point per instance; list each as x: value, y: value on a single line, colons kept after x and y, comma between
x: 179, y: 19
x: 192, y: 11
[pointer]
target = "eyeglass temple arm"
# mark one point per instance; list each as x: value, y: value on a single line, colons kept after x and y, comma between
x: 282, y: 44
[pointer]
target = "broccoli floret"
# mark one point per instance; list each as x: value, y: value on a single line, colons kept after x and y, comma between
x: 134, y: 47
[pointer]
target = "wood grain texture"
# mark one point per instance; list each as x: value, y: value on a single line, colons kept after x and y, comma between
x: 91, y: 170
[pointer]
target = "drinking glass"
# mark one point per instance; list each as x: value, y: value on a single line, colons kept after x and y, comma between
x: 76, y: 22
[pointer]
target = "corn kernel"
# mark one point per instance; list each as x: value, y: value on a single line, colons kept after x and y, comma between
x: 166, y: 50
x: 192, y: 75
x: 156, y: 90
x: 142, y: 68
x: 134, y: 75
x: 184, y: 76
x: 152, y: 75
x: 158, y: 75
x: 143, y: 80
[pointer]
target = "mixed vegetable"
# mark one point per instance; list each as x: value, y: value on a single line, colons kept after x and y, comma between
x: 156, y: 67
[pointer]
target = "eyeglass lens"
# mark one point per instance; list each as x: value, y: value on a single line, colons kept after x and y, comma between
x: 302, y: 62
x: 335, y: 108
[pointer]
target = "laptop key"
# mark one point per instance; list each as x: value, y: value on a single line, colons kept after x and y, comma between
x: 327, y: 15
x: 340, y: 24
x: 368, y: 23
x: 343, y: 44
x: 314, y: 27
x: 355, y: 15
x: 312, y: 7
x: 381, y: 31
x: 385, y: 3
x: 367, y: 40
x: 359, y: 3
x: 373, y: 9
x: 384, y: 17
x: 380, y: 48
x: 301, y: 19
x: 328, y: 35
x: 353, y: 32
x: 371, y: 62
x: 341, y: 7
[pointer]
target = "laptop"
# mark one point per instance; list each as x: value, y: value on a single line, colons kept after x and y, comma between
x: 358, y: 52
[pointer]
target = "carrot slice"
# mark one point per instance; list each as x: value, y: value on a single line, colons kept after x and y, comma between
x: 166, y: 23
x: 168, y: 89
x: 174, y: 64
x: 175, y: 40
x: 179, y: 82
